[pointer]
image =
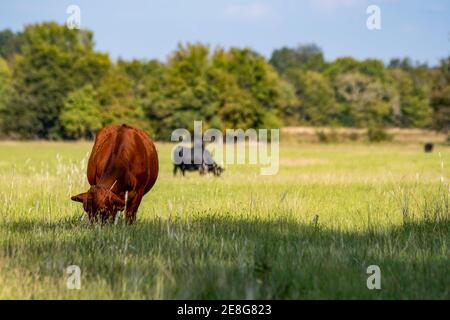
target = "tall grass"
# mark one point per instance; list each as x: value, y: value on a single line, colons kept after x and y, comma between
x: 308, y: 232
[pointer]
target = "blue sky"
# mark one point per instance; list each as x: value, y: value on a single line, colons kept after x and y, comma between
x: 152, y: 29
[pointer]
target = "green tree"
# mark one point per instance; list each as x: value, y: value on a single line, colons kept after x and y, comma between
x: 341, y: 66
x: 255, y: 75
x: 5, y: 88
x: 363, y: 101
x: 440, y: 96
x: 224, y: 89
x: 53, y: 84
x: 143, y: 74
x: 374, y: 69
x: 318, y: 100
x: 180, y: 93
x: 81, y: 115
x: 410, y: 104
x: 304, y: 57
x: 398, y: 63
x: 117, y: 101
x: 10, y: 43
x: 290, y: 106
x: 55, y: 61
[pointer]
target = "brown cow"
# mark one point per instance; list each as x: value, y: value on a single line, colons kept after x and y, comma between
x: 123, y: 162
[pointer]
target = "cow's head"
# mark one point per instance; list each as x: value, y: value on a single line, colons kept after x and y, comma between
x: 100, y: 201
x: 218, y: 170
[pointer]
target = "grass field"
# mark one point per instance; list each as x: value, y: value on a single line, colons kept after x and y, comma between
x: 309, y: 232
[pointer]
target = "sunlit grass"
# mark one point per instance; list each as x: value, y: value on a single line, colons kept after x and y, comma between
x: 308, y: 232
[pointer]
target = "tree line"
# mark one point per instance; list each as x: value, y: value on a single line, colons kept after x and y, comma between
x: 55, y: 85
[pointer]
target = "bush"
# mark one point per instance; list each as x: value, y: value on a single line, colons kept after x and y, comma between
x: 329, y: 137
x: 377, y: 134
x: 353, y: 136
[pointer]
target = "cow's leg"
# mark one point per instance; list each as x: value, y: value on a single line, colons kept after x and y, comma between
x: 203, y: 169
x: 175, y: 169
x: 130, y: 214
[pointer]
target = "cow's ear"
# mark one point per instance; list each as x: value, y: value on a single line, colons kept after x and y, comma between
x: 117, y: 202
x: 79, y: 197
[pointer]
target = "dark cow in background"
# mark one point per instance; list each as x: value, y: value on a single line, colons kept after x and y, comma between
x: 428, y: 147
x: 203, y: 163
x: 122, y: 168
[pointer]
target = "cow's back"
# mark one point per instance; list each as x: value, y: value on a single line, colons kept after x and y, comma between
x: 126, y: 149
x: 187, y: 156
x: 152, y: 158
x: 101, y: 152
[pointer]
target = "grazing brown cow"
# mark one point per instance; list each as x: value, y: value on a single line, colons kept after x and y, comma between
x: 123, y: 163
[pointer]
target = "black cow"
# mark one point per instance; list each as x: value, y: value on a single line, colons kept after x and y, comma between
x: 202, y: 164
x: 428, y: 147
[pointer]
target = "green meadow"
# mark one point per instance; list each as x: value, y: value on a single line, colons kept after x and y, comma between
x: 309, y: 232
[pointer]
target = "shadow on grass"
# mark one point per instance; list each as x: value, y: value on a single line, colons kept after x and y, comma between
x: 215, y: 257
